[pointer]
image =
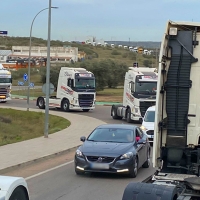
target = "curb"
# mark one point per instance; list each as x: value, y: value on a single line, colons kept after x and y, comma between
x: 97, y: 103
x: 14, y: 167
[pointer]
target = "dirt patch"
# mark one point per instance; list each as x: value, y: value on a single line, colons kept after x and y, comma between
x: 102, y: 98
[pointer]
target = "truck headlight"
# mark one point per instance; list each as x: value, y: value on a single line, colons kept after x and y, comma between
x: 127, y: 155
x: 79, y: 153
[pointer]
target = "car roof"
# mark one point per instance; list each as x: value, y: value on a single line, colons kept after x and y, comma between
x: 120, y: 126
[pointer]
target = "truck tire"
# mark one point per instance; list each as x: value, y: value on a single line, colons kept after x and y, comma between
x: 148, y: 191
x: 41, y: 103
x: 85, y: 110
x: 147, y: 162
x: 19, y: 194
x: 128, y: 115
x: 114, y: 113
x: 65, y: 105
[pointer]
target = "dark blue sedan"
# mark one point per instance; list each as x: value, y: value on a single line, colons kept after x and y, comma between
x: 113, y: 148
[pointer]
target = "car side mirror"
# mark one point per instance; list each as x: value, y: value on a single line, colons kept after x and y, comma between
x: 141, y: 141
x: 83, y: 138
x: 141, y: 120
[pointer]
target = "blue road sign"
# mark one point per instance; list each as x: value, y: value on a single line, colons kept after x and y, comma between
x: 3, y: 32
x: 20, y: 83
x: 25, y: 77
x: 31, y: 85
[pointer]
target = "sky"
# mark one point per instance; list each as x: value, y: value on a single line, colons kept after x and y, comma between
x: 110, y: 20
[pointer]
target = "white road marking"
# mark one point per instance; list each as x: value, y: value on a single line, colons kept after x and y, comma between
x: 48, y: 170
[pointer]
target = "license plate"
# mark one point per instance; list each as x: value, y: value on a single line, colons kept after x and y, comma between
x: 99, y: 166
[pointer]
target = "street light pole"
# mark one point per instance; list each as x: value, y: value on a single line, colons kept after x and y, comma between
x: 29, y: 68
x: 46, y: 126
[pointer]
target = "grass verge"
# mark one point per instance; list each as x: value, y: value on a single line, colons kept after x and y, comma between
x: 17, y: 126
x: 107, y: 95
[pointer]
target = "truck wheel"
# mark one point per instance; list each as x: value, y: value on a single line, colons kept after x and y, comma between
x: 114, y: 113
x: 134, y: 171
x: 147, y: 162
x: 65, y: 105
x: 41, y: 103
x: 19, y: 194
x: 86, y: 110
x: 146, y: 191
x: 128, y: 115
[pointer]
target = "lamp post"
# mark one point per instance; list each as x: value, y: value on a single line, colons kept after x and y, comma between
x: 29, y: 68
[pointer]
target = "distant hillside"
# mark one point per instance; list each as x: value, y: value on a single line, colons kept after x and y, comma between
x: 146, y: 44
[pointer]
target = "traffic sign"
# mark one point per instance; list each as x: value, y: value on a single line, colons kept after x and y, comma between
x: 3, y: 32
x: 51, y: 88
x: 25, y: 77
x: 20, y: 83
x: 31, y: 85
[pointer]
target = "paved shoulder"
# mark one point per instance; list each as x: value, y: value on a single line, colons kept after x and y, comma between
x: 27, y: 151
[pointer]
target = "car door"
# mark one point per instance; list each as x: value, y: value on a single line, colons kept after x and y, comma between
x: 145, y: 146
x: 140, y: 148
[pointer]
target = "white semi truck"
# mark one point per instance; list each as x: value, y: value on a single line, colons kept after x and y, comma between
x: 176, y: 150
x: 13, y: 188
x: 5, y: 84
x: 139, y: 94
x: 75, y: 91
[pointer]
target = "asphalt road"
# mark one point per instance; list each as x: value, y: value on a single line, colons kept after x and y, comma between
x: 100, y: 112
x: 55, y: 178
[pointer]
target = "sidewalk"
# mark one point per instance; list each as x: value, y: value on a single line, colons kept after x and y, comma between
x: 13, y: 155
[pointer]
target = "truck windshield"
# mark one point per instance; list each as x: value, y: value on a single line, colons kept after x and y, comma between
x: 82, y: 83
x: 150, y: 116
x: 146, y: 87
x: 5, y: 80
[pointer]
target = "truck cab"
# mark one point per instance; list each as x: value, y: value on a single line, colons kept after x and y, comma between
x: 176, y: 150
x: 5, y: 84
x: 75, y: 91
x: 139, y: 94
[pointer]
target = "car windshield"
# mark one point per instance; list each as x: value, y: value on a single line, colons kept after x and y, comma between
x: 150, y: 116
x: 82, y: 83
x: 149, y: 87
x: 117, y: 135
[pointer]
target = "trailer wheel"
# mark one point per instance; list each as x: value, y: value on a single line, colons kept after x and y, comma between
x: 19, y: 194
x: 41, y: 103
x: 146, y: 191
x: 147, y: 162
x: 128, y: 115
x: 65, y: 105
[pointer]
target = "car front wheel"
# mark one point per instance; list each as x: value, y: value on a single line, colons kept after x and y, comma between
x: 134, y: 171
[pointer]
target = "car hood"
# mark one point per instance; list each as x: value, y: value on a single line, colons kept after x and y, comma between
x: 148, y: 125
x: 105, y: 148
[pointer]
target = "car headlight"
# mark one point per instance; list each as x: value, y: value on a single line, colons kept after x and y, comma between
x: 143, y: 128
x: 127, y: 155
x: 79, y: 153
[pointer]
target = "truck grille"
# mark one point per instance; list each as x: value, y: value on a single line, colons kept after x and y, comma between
x: 86, y: 100
x: 100, y: 159
x: 144, y: 105
x: 3, y: 92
